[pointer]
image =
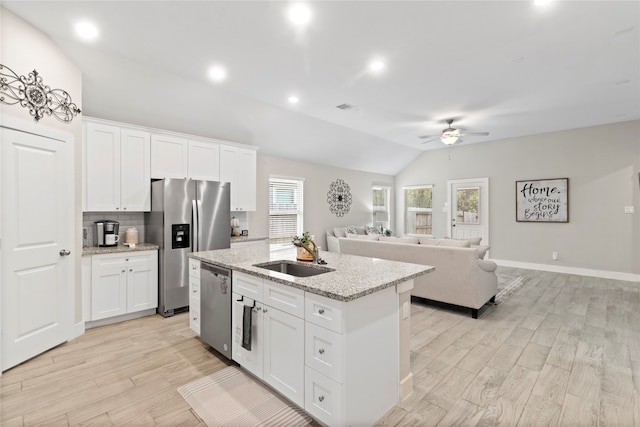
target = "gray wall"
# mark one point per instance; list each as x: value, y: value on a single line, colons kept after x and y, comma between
x: 317, y: 181
x: 602, y: 165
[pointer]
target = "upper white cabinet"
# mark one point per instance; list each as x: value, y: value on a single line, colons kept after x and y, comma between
x: 176, y: 157
x: 117, y: 168
x: 169, y: 156
x: 238, y: 166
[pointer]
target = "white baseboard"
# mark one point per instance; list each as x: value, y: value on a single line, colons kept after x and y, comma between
x: 605, y: 274
x: 121, y: 318
x: 78, y: 329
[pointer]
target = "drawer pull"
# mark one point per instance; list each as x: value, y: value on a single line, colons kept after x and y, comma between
x: 321, y: 311
x: 321, y: 398
x: 195, y: 291
x: 321, y: 351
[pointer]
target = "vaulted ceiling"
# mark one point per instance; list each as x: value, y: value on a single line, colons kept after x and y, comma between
x: 510, y: 68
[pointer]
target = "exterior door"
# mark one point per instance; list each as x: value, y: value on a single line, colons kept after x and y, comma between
x: 468, y: 203
x: 37, y: 237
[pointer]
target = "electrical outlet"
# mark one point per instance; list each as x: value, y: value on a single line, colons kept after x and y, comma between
x: 629, y: 209
x: 554, y: 255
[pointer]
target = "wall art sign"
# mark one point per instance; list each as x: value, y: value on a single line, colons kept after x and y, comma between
x: 339, y: 198
x: 542, y: 200
x: 30, y: 92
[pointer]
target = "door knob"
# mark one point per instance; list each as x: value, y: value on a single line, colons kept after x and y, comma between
x: 64, y: 252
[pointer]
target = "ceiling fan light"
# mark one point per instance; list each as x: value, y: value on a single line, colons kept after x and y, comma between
x: 449, y: 139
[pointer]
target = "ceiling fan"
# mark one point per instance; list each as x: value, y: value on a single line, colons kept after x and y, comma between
x: 450, y: 135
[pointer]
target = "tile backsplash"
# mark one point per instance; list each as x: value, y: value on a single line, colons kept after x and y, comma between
x: 126, y: 220
x: 135, y: 219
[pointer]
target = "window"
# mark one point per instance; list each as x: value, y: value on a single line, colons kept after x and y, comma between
x: 418, y: 209
x: 285, y: 210
x: 381, y: 212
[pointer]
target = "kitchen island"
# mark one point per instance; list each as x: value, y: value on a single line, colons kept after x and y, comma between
x: 336, y: 343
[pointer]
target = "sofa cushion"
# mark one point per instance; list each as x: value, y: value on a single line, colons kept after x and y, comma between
x: 350, y: 230
x: 340, y: 231
x: 363, y: 236
x: 472, y: 240
x: 428, y: 241
x: 413, y: 240
x: 455, y: 243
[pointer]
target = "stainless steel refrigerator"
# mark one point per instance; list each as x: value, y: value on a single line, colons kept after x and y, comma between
x: 186, y: 216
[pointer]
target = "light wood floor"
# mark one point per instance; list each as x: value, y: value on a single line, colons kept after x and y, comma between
x: 564, y: 350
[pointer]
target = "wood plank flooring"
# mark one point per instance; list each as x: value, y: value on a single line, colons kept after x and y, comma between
x: 564, y: 350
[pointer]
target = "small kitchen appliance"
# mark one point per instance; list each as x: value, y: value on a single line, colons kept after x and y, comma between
x: 105, y: 233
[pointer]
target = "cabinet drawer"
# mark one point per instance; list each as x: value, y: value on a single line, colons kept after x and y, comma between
x: 322, y: 397
x: 194, y: 318
x: 323, y: 311
x: 247, y: 285
x: 194, y: 289
x: 324, y: 351
x: 194, y: 268
x: 283, y: 297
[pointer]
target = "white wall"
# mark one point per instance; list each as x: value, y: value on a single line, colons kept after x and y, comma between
x: 23, y: 49
x: 317, y: 181
x: 602, y: 165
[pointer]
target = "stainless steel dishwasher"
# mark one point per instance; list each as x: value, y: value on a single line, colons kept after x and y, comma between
x: 215, y: 308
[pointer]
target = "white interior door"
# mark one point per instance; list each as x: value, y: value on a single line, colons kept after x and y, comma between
x: 37, y: 236
x: 468, y: 203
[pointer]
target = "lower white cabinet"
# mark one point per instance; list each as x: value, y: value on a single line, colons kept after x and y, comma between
x: 276, y: 354
x: 123, y: 283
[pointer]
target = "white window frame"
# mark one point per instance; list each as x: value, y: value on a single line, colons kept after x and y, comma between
x: 386, y: 208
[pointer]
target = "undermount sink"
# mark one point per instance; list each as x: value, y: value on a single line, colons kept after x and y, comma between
x: 294, y: 268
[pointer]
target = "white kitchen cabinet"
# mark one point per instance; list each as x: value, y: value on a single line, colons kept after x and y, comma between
x: 277, y: 334
x: 194, y: 295
x: 203, y: 160
x: 123, y: 283
x: 238, y: 166
x: 169, y: 156
x: 180, y: 157
x: 117, y: 168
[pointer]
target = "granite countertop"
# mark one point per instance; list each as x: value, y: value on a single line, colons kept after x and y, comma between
x: 95, y: 250
x: 238, y: 239
x: 354, y: 276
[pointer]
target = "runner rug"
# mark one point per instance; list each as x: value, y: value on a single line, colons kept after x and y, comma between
x: 232, y: 398
x: 511, y: 286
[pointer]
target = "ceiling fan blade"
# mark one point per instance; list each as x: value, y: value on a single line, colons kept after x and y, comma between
x: 428, y: 140
x: 428, y: 136
x: 474, y: 134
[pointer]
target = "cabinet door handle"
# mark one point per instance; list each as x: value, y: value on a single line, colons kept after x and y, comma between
x: 131, y: 269
x: 321, y: 351
x: 321, y: 311
x: 321, y: 398
x: 124, y: 271
x: 65, y: 252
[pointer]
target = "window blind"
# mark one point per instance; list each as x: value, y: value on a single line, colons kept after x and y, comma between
x: 285, y: 209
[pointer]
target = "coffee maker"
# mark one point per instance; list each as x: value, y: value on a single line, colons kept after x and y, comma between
x: 105, y: 233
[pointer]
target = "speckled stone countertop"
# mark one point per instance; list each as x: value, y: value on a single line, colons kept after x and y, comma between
x: 240, y: 239
x: 354, y: 276
x: 95, y: 250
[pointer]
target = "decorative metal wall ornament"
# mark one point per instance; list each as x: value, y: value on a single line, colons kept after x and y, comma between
x: 339, y: 197
x: 39, y: 98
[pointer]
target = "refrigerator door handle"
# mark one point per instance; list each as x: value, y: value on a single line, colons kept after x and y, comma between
x: 196, y: 228
x: 199, y: 210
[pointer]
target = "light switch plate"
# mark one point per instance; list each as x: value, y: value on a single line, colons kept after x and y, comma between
x: 629, y: 209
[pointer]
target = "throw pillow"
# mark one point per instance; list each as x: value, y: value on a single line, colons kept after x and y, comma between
x: 350, y: 230
x: 482, y: 250
x: 474, y: 240
x: 361, y: 231
x: 455, y: 243
x: 390, y: 239
x: 370, y: 229
x: 340, y: 231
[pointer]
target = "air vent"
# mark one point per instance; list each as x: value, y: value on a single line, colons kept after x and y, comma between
x: 345, y: 107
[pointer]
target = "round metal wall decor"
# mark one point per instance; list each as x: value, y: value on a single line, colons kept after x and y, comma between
x: 339, y: 197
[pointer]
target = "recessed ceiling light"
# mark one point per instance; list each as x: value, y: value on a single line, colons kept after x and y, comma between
x: 217, y: 73
x: 293, y: 99
x: 86, y: 30
x: 299, y: 14
x: 376, y: 66
x: 542, y: 2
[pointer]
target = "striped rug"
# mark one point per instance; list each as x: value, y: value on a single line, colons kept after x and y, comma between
x: 232, y: 398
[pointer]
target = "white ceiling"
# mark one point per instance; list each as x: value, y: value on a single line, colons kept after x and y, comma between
x: 507, y: 67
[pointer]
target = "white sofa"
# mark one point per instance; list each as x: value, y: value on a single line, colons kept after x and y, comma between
x: 461, y: 277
